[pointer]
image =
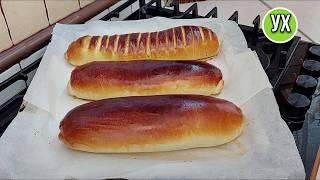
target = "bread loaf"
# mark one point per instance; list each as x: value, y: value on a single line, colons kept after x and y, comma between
x: 151, y: 124
x: 179, y: 43
x: 100, y: 80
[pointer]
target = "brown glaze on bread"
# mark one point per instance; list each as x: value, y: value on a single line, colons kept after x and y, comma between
x: 100, y: 80
x: 183, y: 42
x: 151, y: 124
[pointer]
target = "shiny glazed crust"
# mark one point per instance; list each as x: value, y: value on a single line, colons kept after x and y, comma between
x: 100, y: 80
x: 183, y: 42
x: 151, y: 124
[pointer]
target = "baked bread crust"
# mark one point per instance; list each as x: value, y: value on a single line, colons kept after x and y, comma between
x: 179, y: 43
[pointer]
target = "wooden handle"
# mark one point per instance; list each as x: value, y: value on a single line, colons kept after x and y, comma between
x: 316, y: 166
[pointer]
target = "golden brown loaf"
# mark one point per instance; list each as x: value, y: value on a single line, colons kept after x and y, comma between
x: 100, y: 80
x: 179, y: 43
x: 151, y: 124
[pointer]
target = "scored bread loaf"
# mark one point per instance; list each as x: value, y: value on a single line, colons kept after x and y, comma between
x: 179, y: 43
x: 100, y: 80
x: 151, y: 124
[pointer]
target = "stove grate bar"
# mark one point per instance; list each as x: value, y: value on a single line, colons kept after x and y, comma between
x: 194, y: 12
x: 142, y: 3
x: 234, y: 17
x: 256, y: 23
x: 176, y: 8
x: 289, y: 58
x: 213, y: 13
x: 142, y: 10
x: 116, y: 12
x: 255, y: 30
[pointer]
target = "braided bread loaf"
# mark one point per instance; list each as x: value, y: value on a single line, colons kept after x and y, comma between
x: 179, y: 43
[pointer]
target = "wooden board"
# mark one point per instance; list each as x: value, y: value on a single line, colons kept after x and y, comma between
x: 24, y: 17
x: 58, y: 9
x: 315, y: 174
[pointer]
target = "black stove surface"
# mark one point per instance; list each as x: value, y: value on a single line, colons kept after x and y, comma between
x: 283, y: 64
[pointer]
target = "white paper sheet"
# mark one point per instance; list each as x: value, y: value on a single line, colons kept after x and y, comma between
x: 266, y: 149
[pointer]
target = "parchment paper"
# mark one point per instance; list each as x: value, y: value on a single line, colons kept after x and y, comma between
x: 266, y: 149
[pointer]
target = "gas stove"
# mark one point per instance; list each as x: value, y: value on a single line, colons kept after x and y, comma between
x: 293, y: 69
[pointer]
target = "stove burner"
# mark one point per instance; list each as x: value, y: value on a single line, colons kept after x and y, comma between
x: 295, y: 107
x: 305, y: 85
x: 264, y: 59
x: 315, y: 52
x: 311, y: 67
